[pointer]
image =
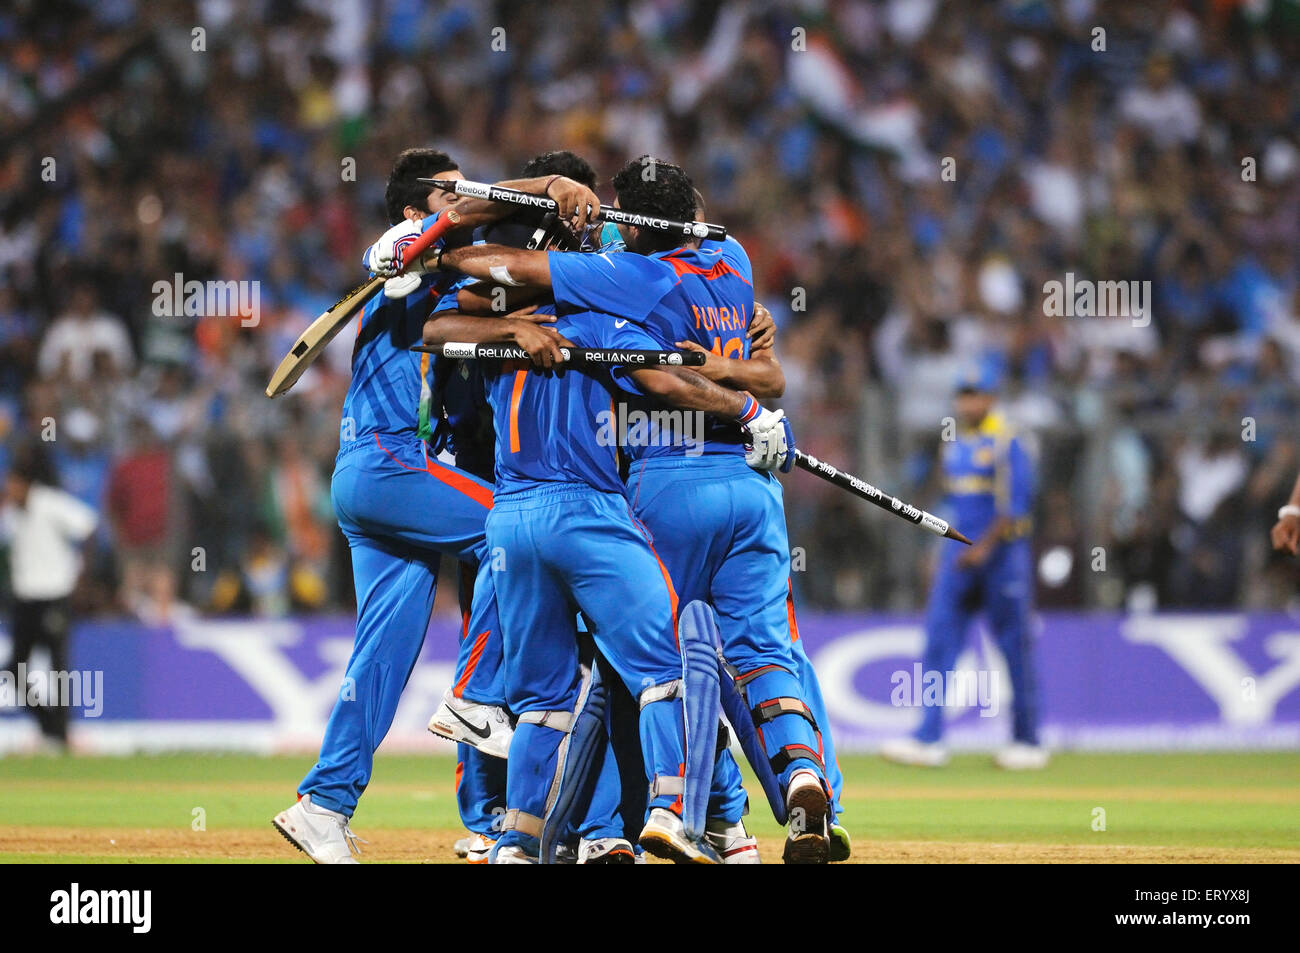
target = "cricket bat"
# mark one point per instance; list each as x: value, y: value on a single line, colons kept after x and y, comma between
x: 321, y: 331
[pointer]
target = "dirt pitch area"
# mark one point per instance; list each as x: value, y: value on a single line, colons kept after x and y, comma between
x: 413, y: 846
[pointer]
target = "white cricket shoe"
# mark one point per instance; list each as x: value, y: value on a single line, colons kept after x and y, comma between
x: 913, y: 752
x: 605, y: 850
x: 807, y: 807
x: 461, y: 848
x: 512, y: 854
x: 321, y: 834
x: 664, y: 835
x: 478, y: 849
x: 732, y: 841
x: 485, y: 727
x: 1022, y: 757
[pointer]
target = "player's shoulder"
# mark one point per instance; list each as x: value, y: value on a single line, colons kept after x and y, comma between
x: 603, y: 258
x: 728, y: 248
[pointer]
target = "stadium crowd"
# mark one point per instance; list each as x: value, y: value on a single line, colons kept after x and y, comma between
x: 906, y: 175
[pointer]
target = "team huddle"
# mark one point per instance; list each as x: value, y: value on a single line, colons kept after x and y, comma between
x: 623, y: 585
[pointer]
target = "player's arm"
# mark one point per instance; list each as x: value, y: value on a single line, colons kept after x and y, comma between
x: 760, y: 374
x: 979, y: 553
x: 542, y: 343
x: 1286, y: 531
x: 772, y: 440
x: 762, y: 329
x: 685, y: 389
x: 489, y: 298
x: 512, y: 267
x: 577, y: 203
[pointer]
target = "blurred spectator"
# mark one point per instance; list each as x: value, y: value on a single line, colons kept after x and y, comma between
x: 82, y: 333
x: 907, y: 177
x: 141, y: 506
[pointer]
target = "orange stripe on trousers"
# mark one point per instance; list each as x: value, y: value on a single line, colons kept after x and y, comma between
x: 789, y: 611
x: 475, y: 654
x: 453, y: 478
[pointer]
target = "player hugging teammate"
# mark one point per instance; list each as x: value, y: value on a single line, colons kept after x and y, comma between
x: 620, y: 594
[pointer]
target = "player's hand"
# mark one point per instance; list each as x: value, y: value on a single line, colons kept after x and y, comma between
x: 712, y: 368
x: 973, y: 557
x: 384, y: 257
x: 577, y: 204
x: 1286, y: 534
x: 530, y: 313
x: 762, y: 329
x: 771, y: 443
x: 541, y: 342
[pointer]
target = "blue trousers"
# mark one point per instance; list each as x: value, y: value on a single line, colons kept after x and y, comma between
x: 562, y: 549
x: 719, y: 527
x: 400, y: 511
x: 480, y: 791
x: 1003, y: 589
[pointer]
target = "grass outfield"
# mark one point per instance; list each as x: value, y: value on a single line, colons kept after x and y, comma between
x: 1175, y: 807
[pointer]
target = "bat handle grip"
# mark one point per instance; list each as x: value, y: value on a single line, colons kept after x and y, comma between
x: 448, y: 220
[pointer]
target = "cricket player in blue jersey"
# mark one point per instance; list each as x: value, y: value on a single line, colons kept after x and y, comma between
x: 739, y: 358
x: 651, y: 290
x: 461, y: 423
x: 400, y: 510
x: 569, y: 541
x: 455, y: 419
x: 989, y: 483
x: 719, y: 524
x: 759, y: 373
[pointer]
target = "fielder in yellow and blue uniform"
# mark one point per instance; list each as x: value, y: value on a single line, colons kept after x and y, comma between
x: 989, y: 483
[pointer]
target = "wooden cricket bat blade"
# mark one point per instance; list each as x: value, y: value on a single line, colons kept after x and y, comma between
x: 317, y: 336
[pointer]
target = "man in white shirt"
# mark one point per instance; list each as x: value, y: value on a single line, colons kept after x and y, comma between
x: 69, y: 348
x: 44, y: 528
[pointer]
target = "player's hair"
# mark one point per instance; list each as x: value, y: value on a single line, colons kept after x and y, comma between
x: 561, y: 162
x: 651, y: 186
x: 403, y: 190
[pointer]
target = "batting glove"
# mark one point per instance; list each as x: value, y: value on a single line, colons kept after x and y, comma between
x: 771, y: 443
x: 384, y: 257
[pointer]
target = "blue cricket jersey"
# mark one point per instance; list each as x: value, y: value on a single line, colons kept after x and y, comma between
x: 557, y: 426
x: 987, y: 473
x: 458, y: 418
x: 389, y: 380
x: 704, y: 294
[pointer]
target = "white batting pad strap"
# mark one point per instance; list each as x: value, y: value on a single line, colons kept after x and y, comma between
x: 555, y: 720
x: 516, y: 820
x: 672, y: 786
x: 660, y: 693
